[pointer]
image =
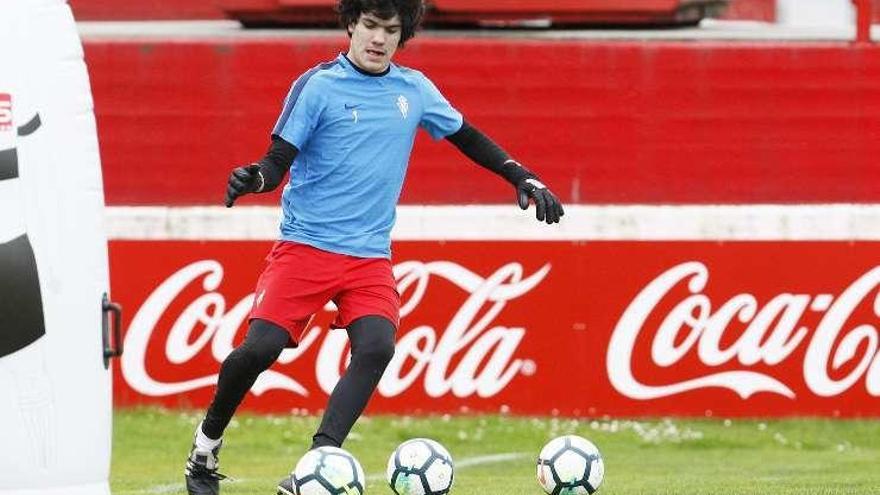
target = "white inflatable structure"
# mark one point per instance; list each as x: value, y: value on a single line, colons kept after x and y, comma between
x: 55, y: 388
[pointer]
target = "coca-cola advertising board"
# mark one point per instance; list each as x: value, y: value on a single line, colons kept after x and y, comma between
x: 571, y: 327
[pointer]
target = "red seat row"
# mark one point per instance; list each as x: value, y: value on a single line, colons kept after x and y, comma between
x: 493, y: 12
x: 320, y: 12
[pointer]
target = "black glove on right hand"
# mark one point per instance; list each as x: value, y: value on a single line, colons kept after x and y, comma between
x: 547, y: 205
x: 243, y: 180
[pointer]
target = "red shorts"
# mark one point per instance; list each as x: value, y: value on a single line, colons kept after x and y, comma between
x: 300, y: 279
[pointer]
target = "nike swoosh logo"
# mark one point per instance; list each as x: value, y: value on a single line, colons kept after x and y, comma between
x: 349, y: 106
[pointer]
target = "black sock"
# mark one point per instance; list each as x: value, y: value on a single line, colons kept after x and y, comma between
x: 261, y: 347
x: 372, y: 346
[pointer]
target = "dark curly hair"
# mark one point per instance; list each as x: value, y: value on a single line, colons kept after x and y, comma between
x: 410, y: 12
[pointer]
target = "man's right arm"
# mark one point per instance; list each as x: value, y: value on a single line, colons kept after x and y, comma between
x: 484, y: 152
x: 264, y: 175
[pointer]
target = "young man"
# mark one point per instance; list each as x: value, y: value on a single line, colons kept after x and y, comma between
x: 345, y: 134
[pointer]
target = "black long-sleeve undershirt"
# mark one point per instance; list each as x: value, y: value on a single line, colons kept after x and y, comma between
x: 276, y: 162
x: 484, y: 152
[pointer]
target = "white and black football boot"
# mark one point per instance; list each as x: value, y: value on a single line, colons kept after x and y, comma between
x: 201, y: 473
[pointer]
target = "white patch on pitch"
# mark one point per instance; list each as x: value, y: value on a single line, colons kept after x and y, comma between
x: 471, y: 461
x: 180, y: 487
x: 169, y: 488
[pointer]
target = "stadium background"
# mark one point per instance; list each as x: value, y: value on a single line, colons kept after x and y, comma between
x: 742, y: 153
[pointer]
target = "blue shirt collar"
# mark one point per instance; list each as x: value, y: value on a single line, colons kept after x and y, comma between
x: 347, y: 62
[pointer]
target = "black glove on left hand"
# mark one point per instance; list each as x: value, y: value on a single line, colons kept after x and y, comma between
x: 547, y: 205
x: 243, y: 180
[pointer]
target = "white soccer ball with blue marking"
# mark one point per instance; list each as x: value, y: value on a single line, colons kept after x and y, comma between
x: 570, y: 465
x: 328, y: 471
x: 420, y: 466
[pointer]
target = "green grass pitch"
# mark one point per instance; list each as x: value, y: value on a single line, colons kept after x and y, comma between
x: 496, y: 454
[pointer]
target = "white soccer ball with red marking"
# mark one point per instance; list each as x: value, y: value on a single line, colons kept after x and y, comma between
x: 328, y: 471
x: 420, y: 466
x: 570, y: 465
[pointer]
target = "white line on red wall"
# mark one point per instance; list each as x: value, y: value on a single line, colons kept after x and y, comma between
x: 833, y: 222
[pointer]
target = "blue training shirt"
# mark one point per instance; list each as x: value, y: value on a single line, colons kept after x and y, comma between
x: 354, y: 133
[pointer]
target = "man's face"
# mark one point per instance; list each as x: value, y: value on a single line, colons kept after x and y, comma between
x: 373, y: 42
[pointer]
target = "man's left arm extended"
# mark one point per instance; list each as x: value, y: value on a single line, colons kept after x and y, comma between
x: 483, y: 151
x: 264, y: 175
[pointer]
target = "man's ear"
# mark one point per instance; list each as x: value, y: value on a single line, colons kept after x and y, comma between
x: 351, y: 28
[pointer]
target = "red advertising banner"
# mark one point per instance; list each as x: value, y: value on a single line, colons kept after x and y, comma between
x: 746, y: 328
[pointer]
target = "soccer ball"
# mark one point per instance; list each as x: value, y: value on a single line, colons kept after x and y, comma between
x: 328, y: 471
x: 570, y: 465
x: 420, y: 466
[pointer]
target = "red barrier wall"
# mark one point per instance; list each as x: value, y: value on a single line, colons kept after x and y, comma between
x: 632, y: 325
x: 604, y: 122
